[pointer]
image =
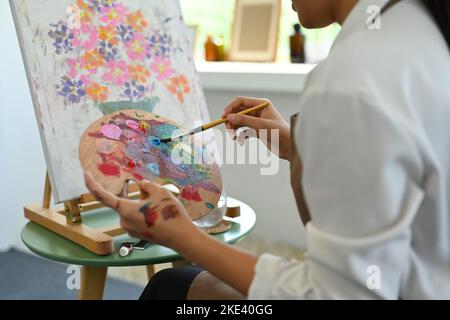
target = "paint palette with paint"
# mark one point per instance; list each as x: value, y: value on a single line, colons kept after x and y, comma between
x: 127, y: 145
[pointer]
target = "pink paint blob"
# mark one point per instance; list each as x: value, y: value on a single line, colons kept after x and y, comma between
x: 109, y: 169
x: 111, y: 131
x: 131, y: 135
x: 133, y: 125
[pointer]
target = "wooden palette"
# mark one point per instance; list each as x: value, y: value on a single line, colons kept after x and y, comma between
x: 125, y: 146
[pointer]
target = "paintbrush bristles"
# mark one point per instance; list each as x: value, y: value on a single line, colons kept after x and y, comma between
x: 216, y: 123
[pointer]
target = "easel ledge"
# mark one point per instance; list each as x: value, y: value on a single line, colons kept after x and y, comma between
x: 69, y: 223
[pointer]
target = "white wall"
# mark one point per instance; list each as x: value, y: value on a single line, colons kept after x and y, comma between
x: 22, y: 165
x: 22, y: 168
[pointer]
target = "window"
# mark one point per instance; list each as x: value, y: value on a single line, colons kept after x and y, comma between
x: 215, y: 18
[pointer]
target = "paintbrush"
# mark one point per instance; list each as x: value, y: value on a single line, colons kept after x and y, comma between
x: 214, y: 123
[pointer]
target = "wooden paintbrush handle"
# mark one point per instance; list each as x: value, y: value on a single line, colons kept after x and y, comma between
x: 214, y: 124
x: 250, y: 110
x: 255, y: 108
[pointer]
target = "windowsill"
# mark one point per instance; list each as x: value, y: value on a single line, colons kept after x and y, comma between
x: 257, y: 77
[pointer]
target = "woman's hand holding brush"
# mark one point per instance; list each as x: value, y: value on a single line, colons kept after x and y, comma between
x: 267, y: 119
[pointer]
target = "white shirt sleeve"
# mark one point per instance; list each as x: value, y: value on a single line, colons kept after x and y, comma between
x: 361, y: 177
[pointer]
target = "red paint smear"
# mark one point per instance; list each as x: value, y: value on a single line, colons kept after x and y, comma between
x: 97, y: 135
x: 131, y: 164
x: 109, y: 169
x: 150, y: 216
x: 191, y: 194
x: 137, y: 176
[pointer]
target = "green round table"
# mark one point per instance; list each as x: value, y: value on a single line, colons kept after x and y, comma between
x: 52, y: 246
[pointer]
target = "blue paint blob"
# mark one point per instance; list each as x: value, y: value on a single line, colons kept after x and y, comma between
x: 164, y: 130
x: 154, y: 168
x: 209, y: 205
x: 154, y: 141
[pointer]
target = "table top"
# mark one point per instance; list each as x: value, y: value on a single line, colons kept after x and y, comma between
x: 52, y: 246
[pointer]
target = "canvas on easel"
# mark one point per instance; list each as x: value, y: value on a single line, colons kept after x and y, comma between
x: 88, y: 58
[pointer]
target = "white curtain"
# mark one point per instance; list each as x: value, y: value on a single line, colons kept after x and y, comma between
x: 22, y: 167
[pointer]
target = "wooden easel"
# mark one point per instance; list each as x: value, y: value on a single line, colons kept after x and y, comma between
x: 69, y: 222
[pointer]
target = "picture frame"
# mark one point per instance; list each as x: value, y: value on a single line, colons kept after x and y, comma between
x: 255, y: 30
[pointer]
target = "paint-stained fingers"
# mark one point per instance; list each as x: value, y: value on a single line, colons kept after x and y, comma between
x: 105, y: 197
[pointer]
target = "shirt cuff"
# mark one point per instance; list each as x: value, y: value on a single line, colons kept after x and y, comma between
x: 265, y: 273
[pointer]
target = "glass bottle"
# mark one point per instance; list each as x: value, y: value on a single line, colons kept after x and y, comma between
x: 297, y: 41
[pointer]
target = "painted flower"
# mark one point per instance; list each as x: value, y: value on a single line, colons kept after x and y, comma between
x: 73, y: 90
x: 91, y: 61
x: 98, y: 5
x: 108, y: 51
x: 162, y: 67
x: 139, y: 73
x: 80, y: 12
x: 116, y: 72
x: 179, y: 86
x: 108, y: 3
x: 77, y: 71
x: 86, y: 37
x: 85, y: 16
x: 137, y: 21
x: 114, y: 15
x: 97, y: 92
x: 137, y: 50
x: 62, y: 37
x: 85, y: 5
x: 134, y: 91
x: 125, y: 32
x: 160, y: 44
x: 108, y: 34
x: 75, y: 67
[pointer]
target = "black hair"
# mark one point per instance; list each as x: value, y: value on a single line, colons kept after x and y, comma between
x: 440, y: 9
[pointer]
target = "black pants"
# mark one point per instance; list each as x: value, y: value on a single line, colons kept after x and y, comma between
x: 171, y: 284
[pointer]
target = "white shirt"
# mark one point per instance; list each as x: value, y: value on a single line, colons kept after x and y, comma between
x: 374, y: 138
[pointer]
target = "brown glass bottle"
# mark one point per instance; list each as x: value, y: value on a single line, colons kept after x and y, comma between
x: 297, y: 45
x: 210, y: 50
